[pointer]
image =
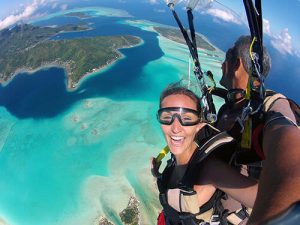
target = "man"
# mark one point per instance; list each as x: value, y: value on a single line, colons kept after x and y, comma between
x: 279, y: 182
x: 236, y: 71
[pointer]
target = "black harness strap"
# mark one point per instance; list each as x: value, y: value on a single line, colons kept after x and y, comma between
x: 189, y: 43
x: 187, y: 181
x: 254, y: 15
x: 209, y: 110
x: 192, y: 30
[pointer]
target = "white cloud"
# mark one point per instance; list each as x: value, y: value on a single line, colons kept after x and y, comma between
x: 54, y: 5
x: 224, y: 15
x: 157, y: 1
x: 160, y: 10
x: 28, y: 11
x: 153, y: 1
x: 283, y: 42
x: 267, y: 27
x: 64, y: 7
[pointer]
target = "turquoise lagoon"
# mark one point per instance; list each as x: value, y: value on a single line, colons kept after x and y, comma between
x: 72, y: 157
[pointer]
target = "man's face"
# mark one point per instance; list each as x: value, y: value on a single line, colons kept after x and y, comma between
x: 228, y: 70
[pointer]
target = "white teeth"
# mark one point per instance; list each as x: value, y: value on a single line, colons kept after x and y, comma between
x: 176, y: 138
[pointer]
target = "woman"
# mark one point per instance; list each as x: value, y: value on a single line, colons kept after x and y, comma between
x: 180, y: 119
x: 186, y: 184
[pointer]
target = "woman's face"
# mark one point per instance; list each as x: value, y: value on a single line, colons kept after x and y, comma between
x: 180, y: 139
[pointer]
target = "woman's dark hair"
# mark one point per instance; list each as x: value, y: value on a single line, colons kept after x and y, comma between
x: 178, y: 89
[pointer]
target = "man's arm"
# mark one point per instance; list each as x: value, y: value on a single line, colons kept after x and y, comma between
x: 279, y: 183
x: 222, y: 176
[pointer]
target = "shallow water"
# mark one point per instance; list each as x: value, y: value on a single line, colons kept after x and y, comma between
x: 70, y: 157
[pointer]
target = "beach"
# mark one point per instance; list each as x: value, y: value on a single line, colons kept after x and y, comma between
x: 91, y: 154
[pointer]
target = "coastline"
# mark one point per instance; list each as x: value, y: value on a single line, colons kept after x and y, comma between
x: 150, y: 26
x: 80, y: 15
x: 64, y: 145
x: 30, y: 71
x: 71, y: 85
x: 96, y: 11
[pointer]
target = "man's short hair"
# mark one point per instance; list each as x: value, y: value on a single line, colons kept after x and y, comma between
x: 241, y: 50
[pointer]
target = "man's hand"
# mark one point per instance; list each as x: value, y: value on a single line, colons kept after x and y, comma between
x: 279, y: 183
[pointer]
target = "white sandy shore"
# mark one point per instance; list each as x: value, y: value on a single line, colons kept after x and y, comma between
x: 72, y: 85
x: 96, y: 71
x: 93, y: 12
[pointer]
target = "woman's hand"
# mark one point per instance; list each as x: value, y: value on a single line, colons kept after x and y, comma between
x: 155, y: 167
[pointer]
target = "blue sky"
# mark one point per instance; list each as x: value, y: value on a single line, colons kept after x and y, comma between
x: 281, y: 19
x: 281, y: 22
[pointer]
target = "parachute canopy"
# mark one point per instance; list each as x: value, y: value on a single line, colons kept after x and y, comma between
x: 202, y: 4
x: 171, y: 2
x: 191, y: 4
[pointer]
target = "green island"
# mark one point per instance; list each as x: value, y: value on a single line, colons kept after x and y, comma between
x: 175, y: 35
x: 27, y: 48
x: 129, y: 216
x: 80, y: 15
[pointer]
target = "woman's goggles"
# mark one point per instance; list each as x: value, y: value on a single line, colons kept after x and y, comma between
x: 186, y: 117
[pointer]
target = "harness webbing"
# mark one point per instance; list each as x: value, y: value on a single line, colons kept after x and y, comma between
x: 192, y: 48
x: 254, y: 16
x: 254, y: 106
x: 192, y: 30
x: 209, y: 110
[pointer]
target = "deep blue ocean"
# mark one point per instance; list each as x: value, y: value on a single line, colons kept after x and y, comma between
x: 284, y: 76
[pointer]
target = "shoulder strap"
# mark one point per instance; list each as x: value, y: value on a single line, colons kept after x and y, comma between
x: 272, y: 97
x: 270, y: 100
x: 202, y: 153
x: 163, y: 178
x: 221, y: 111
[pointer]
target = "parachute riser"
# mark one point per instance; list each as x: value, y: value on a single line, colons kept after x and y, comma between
x: 191, y: 46
x: 255, y: 103
x: 254, y: 16
x: 206, y: 100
